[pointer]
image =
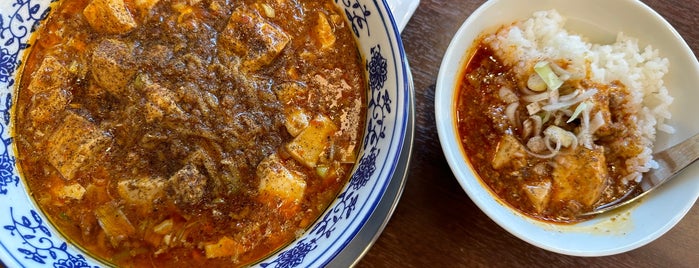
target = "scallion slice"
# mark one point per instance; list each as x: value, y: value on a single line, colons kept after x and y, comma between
x: 543, y: 69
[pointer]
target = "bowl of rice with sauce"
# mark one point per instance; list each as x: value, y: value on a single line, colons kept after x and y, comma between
x: 549, y: 109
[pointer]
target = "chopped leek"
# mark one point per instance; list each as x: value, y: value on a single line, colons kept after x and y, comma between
x: 536, y: 83
x: 269, y: 11
x: 533, y: 108
x: 582, y: 106
x: 322, y: 171
x: 559, y: 135
x: 543, y: 69
x: 545, y: 116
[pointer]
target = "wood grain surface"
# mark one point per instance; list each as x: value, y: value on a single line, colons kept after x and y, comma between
x: 437, y: 225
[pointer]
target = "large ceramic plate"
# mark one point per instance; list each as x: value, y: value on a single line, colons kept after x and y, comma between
x: 28, y: 239
x: 600, y: 20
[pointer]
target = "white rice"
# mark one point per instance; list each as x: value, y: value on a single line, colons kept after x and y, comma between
x: 542, y: 37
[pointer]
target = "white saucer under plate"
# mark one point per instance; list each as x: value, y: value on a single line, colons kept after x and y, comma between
x: 402, y: 11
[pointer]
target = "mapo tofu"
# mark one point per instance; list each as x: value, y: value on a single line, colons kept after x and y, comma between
x: 183, y: 133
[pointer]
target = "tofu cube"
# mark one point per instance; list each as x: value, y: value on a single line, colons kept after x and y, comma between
x: 307, y: 147
x: 580, y: 176
x: 508, y: 152
x: 46, y: 105
x: 73, y: 191
x: 296, y: 121
x: 145, y: 6
x: 252, y: 37
x: 277, y: 180
x: 75, y: 143
x: 51, y: 74
x: 109, y: 16
x: 323, y: 34
x: 290, y: 92
x: 225, y: 247
x: 112, y: 65
x: 141, y: 191
x: 538, y: 194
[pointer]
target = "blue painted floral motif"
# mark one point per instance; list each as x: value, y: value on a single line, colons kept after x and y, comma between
x: 293, y: 257
x: 379, y: 107
x: 14, y: 31
x: 380, y: 102
x: 39, y: 247
x: 72, y: 262
x: 367, y: 166
x: 378, y: 69
x: 357, y: 14
x: 7, y: 65
x: 7, y: 162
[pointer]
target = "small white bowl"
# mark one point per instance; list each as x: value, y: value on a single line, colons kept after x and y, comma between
x: 600, y: 21
x: 28, y: 239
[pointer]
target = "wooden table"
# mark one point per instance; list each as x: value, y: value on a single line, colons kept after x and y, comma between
x: 437, y: 225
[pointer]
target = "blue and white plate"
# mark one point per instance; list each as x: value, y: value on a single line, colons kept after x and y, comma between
x: 27, y: 238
